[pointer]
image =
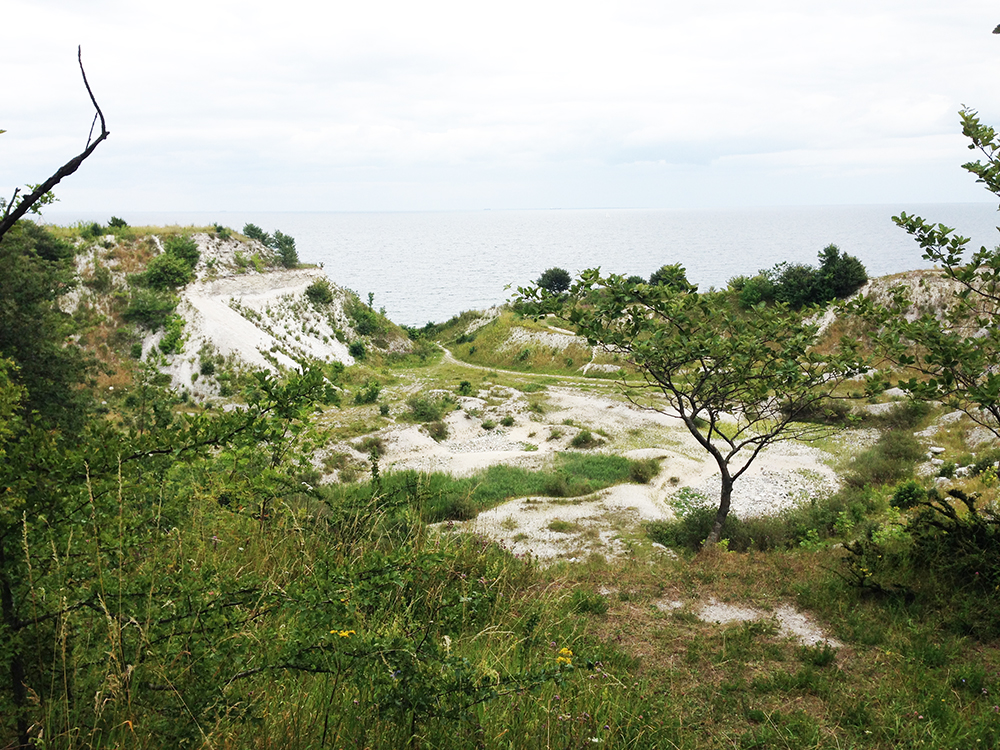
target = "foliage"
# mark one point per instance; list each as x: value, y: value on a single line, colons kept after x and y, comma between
x: 254, y: 232
x: 319, y: 292
x: 952, y: 352
x: 429, y: 409
x: 948, y: 551
x: 183, y: 247
x: 36, y: 269
x: 555, y: 280
x: 839, y: 275
x: 173, y: 335
x: 166, y: 272
x: 585, y: 439
x: 116, y: 223
x: 357, y: 349
x: 150, y: 309
x: 673, y: 276
x: 711, y: 364
x: 284, y: 246
x: 460, y: 498
x: 369, y: 394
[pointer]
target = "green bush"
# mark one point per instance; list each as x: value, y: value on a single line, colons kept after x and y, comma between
x: 465, y: 388
x: 357, y: 349
x: 173, y: 339
x: 166, y: 271
x: 643, y: 470
x: 672, y: 276
x: 585, y: 439
x: 183, y: 247
x: 149, y: 309
x: 369, y: 394
x: 284, y: 246
x: 437, y: 430
x: 890, y: 460
x: 319, y: 292
x: 426, y: 409
x: 254, y: 232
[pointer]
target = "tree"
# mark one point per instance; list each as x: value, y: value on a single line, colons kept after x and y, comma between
x: 673, y: 276
x: 953, y: 351
x: 555, y: 280
x: 284, y: 244
x: 739, y: 382
x: 14, y: 209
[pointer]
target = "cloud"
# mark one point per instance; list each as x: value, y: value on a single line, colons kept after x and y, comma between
x: 223, y: 93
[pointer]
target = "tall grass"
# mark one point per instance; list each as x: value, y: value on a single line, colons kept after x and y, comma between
x: 444, y: 497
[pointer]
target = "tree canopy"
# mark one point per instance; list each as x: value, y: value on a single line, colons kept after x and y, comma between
x: 951, y: 353
x: 739, y: 382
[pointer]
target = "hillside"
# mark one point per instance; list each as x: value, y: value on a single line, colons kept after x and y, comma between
x: 240, y: 311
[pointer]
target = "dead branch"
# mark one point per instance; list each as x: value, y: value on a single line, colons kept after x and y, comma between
x: 15, y: 212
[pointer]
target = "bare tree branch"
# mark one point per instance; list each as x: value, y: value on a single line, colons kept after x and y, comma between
x: 13, y: 213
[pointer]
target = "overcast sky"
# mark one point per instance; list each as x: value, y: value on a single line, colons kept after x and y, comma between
x: 287, y: 105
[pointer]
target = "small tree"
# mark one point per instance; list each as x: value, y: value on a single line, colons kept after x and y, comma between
x: 555, y: 280
x: 254, y: 232
x: 673, y: 276
x: 737, y: 381
x: 284, y: 244
x: 955, y: 350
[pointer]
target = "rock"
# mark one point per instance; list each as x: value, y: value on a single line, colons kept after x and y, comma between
x: 935, y: 449
x: 937, y: 461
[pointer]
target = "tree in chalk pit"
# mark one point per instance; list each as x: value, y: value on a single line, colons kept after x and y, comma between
x: 739, y: 381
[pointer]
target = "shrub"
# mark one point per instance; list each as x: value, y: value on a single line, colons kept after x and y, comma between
x: 437, y: 430
x: 357, y: 349
x: 672, y: 276
x: 465, y: 388
x: 585, y: 439
x: 488, y: 424
x: 888, y: 461
x: 166, y: 271
x: 555, y: 280
x: 507, y: 421
x: 643, y: 470
x: 184, y: 248
x: 319, y: 292
x: 907, y: 495
x: 149, y: 309
x: 425, y: 409
x: 369, y: 394
x: 173, y: 339
x: 254, y: 232
x: 116, y: 223
x: 284, y: 245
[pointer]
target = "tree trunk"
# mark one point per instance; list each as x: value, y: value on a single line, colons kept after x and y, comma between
x: 720, y: 515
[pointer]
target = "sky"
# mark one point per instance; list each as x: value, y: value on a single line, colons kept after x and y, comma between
x: 398, y: 105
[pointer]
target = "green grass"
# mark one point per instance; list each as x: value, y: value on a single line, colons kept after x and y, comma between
x: 443, y: 497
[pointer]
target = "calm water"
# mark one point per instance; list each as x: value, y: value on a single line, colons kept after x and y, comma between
x: 429, y: 266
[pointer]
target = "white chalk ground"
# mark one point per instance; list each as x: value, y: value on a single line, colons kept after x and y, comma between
x: 607, y: 522
x: 262, y: 319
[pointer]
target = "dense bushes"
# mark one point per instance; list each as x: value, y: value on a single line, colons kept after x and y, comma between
x: 797, y: 285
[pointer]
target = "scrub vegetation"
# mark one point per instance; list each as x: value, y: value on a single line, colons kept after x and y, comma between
x: 175, y: 574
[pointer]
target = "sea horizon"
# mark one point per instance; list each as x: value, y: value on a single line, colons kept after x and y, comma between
x: 430, y: 265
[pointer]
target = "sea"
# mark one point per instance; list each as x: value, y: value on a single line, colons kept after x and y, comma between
x: 429, y: 266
